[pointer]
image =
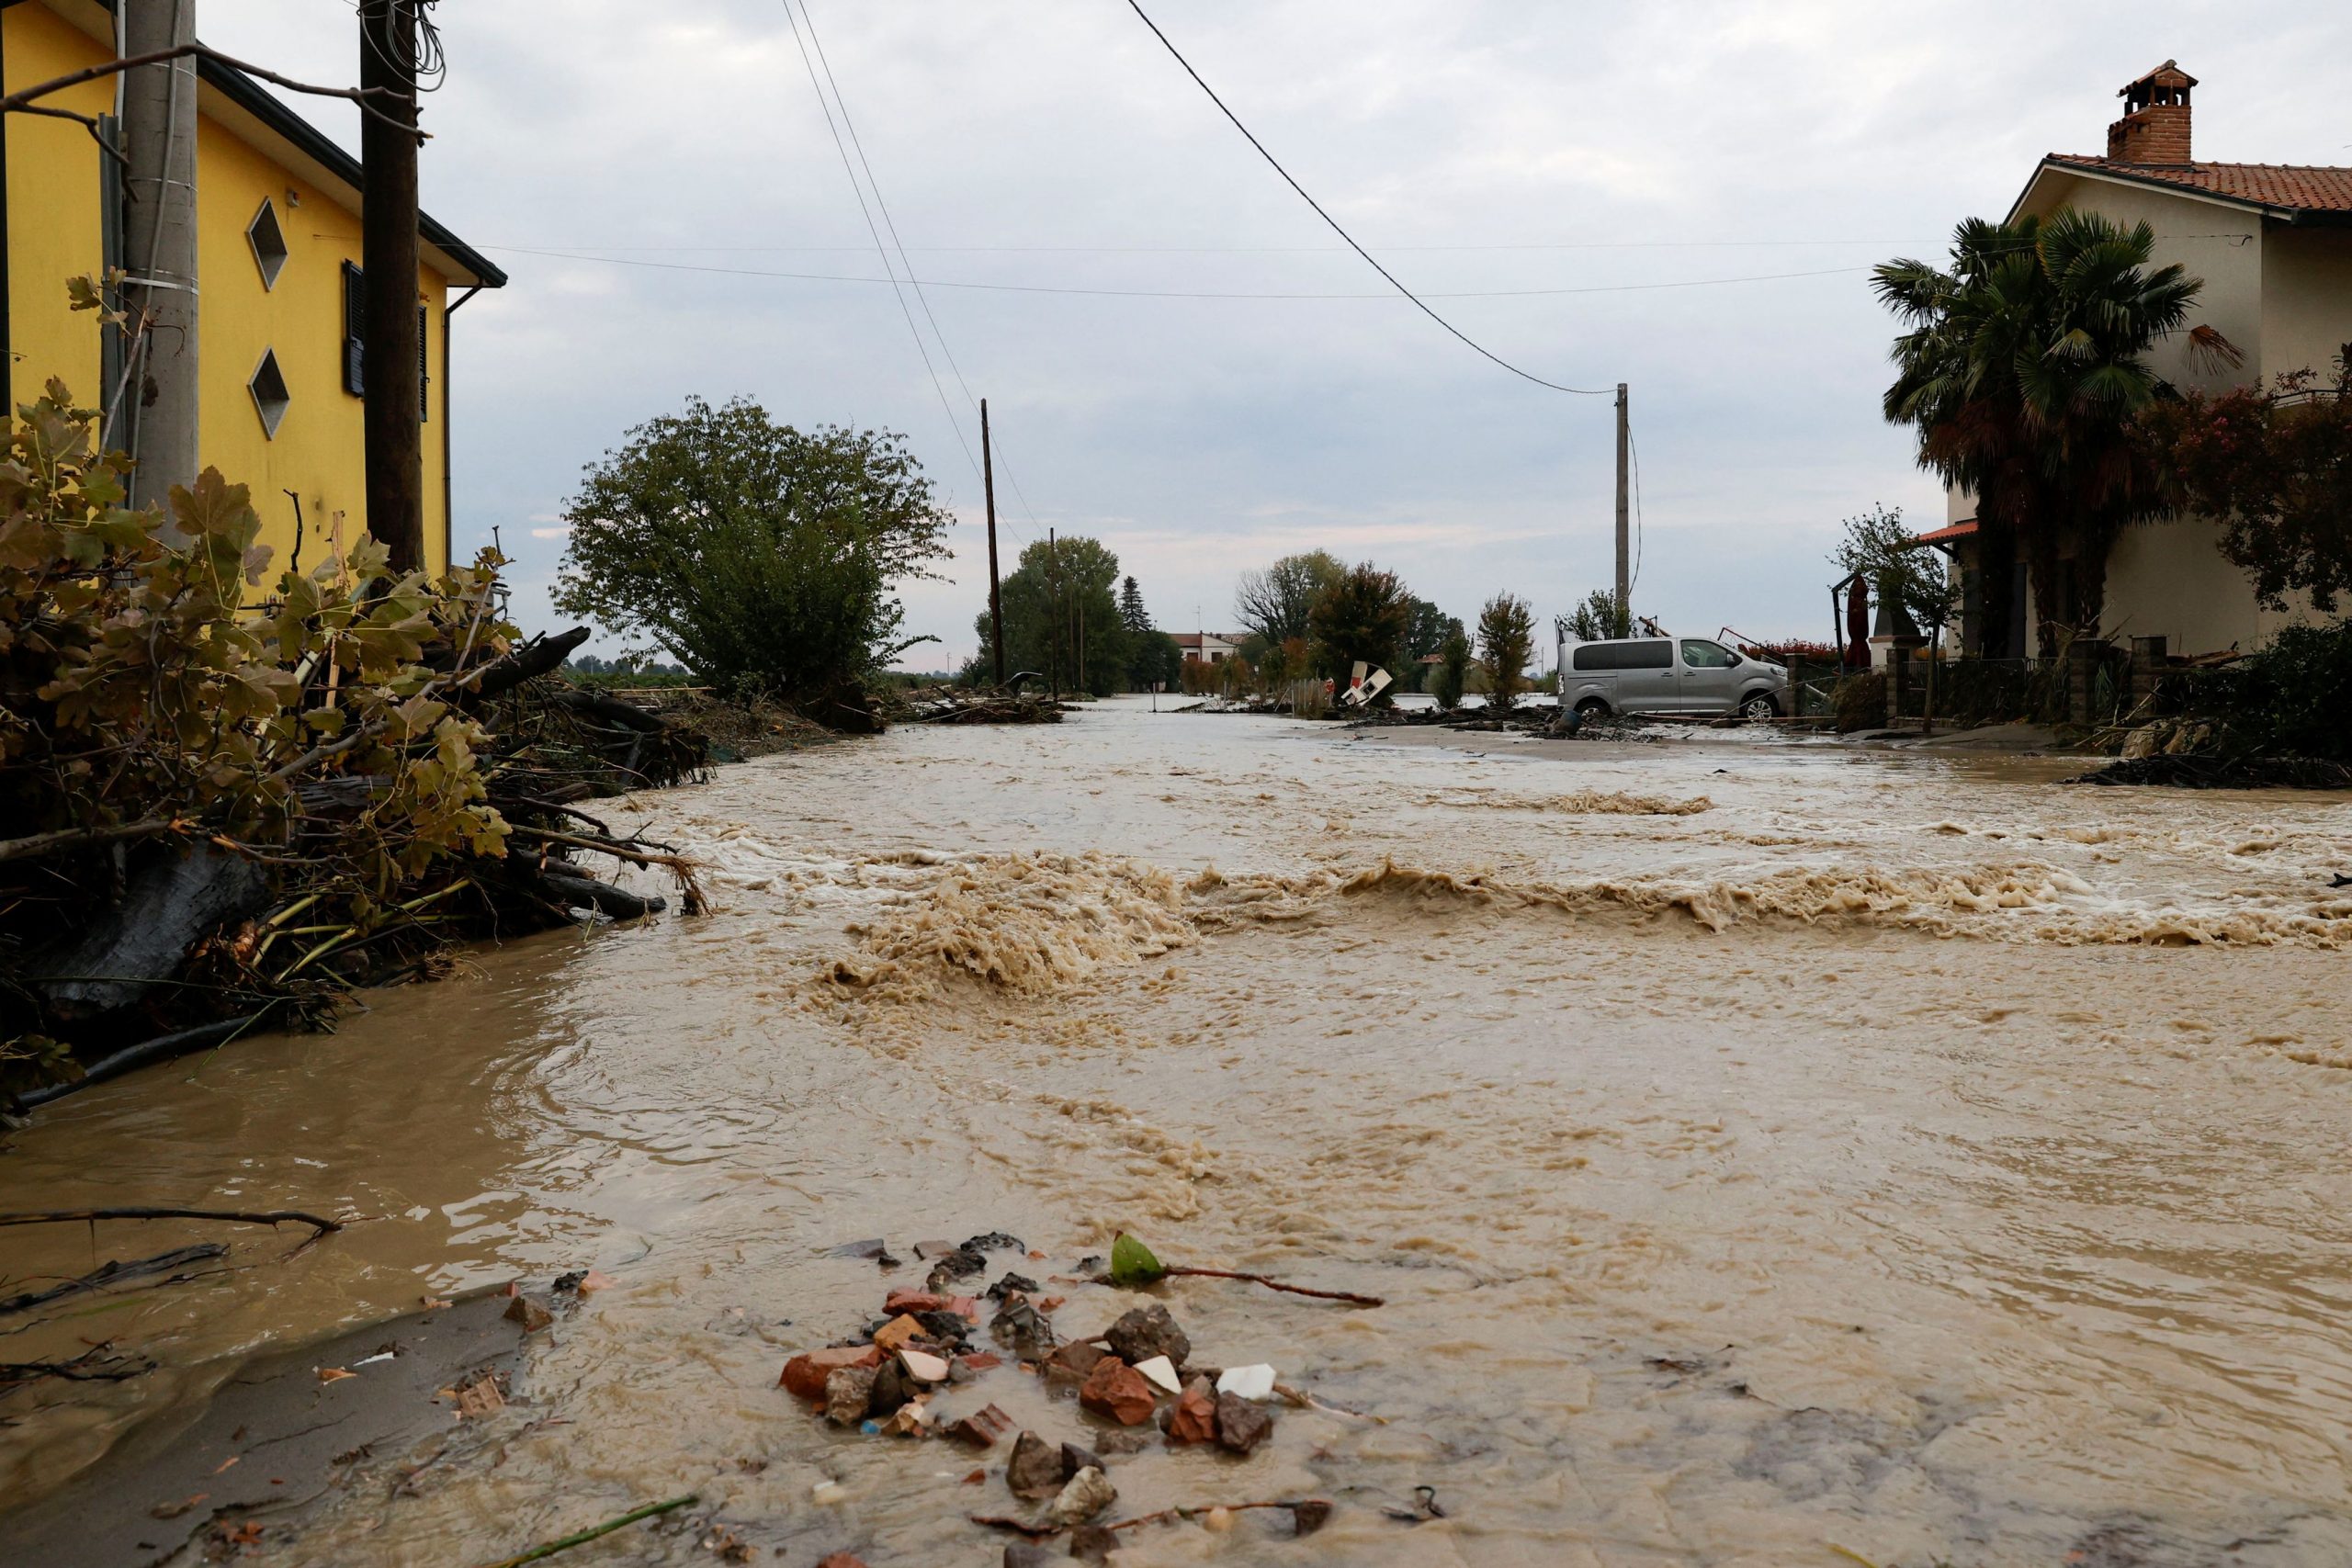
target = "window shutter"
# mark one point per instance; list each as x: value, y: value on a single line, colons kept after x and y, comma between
x: 424, y: 382
x: 355, y: 329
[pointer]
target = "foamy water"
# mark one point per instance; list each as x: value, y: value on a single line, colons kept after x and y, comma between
x: 1768, y: 1155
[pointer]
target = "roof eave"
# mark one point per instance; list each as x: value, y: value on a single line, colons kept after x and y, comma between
x: 464, y: 264
x: 2050, y: 160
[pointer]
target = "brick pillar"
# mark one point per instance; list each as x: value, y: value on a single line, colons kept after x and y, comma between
x: 2082, y: 666
x: 2147, y: 658
x: 1898, y: 681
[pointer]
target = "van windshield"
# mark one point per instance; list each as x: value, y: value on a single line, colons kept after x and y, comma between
x: 1644, y: 655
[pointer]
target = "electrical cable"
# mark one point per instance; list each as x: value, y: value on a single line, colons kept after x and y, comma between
x: 1177, y: 293
x: 1634, y: 450
x: 881, y: 250
x: 1367, y: 255
x: 889, y: 223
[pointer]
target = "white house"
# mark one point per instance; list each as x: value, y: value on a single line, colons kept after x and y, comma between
x: 2273, y: 244
x: 1210, y: 648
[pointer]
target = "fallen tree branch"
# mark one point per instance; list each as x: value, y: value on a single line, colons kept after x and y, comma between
x: 1278, y: 1285
x: 270, y: 1217
x: 113, y: 1271
x: 534, y: 658
x: 583, y: 1536
x: 162, y: 1048
x: 39, y: 844
x: 587, y: 892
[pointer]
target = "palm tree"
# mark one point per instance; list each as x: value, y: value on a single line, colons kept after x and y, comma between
x: 2021, y: 371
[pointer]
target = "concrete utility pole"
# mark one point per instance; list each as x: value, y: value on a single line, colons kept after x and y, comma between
x: 159, y: 246
x: 1624, y: 535
x: 996, y: 601
x: 1054, y: 594
x: 390, y: 347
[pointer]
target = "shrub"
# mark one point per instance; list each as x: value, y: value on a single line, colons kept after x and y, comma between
x: 1452, y: 671
x: 1363, y: 616
x: 761, y: 557
x: 1506, y: 639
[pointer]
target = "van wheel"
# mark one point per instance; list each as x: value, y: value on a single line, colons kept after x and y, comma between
x: 1755, y: 709
x: 1593, y: 708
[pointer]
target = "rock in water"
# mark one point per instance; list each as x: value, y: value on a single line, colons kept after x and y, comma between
x: 805, y: 1374
x: 1242, y: 1426
x: 1018, y: 1327
x: 982, y: 1427
x: 1119, y: 1392
x: 1036, y: 1469
x: 1089, y: 1493
x: 1075, y: 1459
x: 1093, y: 1543
x: 1027, y: 1554
x: 1145, y: 1332
x: 849, y: 1390
x: 1192, y: 1418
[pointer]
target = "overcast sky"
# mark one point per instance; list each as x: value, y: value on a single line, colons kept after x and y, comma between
x: 1597, y: 151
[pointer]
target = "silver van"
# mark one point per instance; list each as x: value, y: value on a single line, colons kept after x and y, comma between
x: 1665, y: 675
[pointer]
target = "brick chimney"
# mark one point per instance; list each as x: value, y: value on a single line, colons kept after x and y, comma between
x: 2154, y: 127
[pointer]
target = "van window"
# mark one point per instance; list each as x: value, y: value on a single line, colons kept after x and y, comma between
x: 1645, y: 655
x: 1698, y: 653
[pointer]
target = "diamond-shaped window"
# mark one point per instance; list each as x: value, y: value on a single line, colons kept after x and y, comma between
x: 268, y: 242
x: 270, y: 396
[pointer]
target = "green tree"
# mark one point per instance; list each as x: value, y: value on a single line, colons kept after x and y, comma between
x: 1132, y: 613
x: 1599, y: 618
x: 1275, y: 602
x: 760, y: 556
x: 1909, y: 576
x: 1505, y: 640
x: 1452, y: 671
x: 2022, y: 372
x: 1061, y: 615
x: 1363, y: 615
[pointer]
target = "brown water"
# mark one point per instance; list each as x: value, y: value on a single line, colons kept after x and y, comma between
x: 1770, y: 1154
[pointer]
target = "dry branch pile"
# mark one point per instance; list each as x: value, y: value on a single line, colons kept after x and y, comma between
x: 223, y: 804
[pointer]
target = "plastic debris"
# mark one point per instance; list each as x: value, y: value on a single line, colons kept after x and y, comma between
x: 1161, y: 1373
x: 1250, y: 1382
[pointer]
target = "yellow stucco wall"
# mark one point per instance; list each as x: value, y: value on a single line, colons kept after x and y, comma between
x: 2306, y: 298
x: 53, y: 207
x: 53, y: 233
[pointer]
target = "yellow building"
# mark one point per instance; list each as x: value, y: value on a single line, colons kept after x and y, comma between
x: 277, y: 256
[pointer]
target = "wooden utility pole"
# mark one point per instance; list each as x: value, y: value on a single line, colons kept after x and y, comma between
x: 159, y: 247
x: 391, y: 348
x: 996, y: 601
x: 1624, y: 535
x: 1054, y: 561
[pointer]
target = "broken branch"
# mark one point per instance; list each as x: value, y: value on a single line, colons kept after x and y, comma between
x: 271, y: 1217
x: 22, y: 100
x: 1278, y: 1285
x: 583, y: 1536
x: 112, y: 1272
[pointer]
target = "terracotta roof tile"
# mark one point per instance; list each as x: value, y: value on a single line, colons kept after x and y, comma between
x: 2301, y: 187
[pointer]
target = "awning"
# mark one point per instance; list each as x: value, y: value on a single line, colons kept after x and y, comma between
x: 1945, y: 536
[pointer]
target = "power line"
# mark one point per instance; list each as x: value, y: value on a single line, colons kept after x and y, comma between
x: 1182, y: 293
x: 858, y: 191
x: 1367, y: 255
x: 891, y: 224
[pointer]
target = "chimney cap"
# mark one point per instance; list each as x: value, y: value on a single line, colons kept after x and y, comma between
x: 2168, y: 74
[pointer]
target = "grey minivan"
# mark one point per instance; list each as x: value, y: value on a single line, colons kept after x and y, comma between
x: 1665, y: 675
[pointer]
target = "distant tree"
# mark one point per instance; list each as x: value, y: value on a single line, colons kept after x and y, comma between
x: 1131, y: 610
x: 1599, y: 618
x: 2276, y: 469
x: 760, y: 556
x: 1452, y: 671
x: 1059, y: 590
x: 1505, y: 640
x: 1156, y: 662
x: 1363, y: 615
x: 1275, y: 602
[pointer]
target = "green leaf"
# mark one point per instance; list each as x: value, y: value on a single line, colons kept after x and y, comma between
x: 1132, y: 1263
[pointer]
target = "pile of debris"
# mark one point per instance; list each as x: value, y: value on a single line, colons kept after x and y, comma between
x: 1008, y: 704
x: 915, y: 1372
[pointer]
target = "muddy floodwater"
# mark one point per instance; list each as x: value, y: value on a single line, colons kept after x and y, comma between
x: 1769, y: 1153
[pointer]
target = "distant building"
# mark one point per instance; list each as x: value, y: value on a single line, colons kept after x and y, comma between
x: 280, y: 379
x: 1209, y: 647
x: 2273, y: 244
